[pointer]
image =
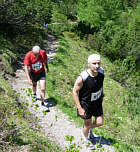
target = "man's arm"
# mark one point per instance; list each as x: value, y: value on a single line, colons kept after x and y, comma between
x: 77, y: 86
x: 27, y: 74
x: 46, y: 65
x: 102, y: 95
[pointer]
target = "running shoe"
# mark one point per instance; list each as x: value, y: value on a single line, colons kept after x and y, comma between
x: 88, y: 142
x: 90, y: 145
x: 91, y: 135
x: 42, y: 103
x: 42, y: 100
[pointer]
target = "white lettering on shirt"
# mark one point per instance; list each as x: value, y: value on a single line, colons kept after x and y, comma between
x: 37, y: 66
x: 96, y: 95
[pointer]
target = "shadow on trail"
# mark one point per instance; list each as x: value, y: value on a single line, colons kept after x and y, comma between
x: 101, y: 141
x: 50, y: 102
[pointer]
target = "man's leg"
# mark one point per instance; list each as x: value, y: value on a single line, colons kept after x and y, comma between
x: 85, y: 131
x: 99, y: 121
x: 34, y: 87
x: 43, y: 88
x: 87, y: 125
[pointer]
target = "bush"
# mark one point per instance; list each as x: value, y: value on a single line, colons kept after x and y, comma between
x: 125, y: 73
x: 25, y: 13
x: 123, y: 69
x: 8, y: 131
x: 96, y: 13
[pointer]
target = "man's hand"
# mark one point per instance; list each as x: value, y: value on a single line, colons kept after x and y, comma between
x: 47, y: 69
x: 30, y: 82
x: 81, y: 112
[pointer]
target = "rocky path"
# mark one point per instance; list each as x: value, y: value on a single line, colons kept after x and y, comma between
x: 53, y: 122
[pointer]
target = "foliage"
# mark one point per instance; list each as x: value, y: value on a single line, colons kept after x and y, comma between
x: 67, y: 8
x: 123, y: 70
x: 96, y: 13
x: 24, y: 19
x: 59, y: 18
x: 63, y: 17
x: 125, y: 73
x: 113, y: 25
x: 57, y: 29
x: 8, y: 58
x: 8, y: 132
x: 119, y: 41
x: 72, y: 147
x: 25, y: 12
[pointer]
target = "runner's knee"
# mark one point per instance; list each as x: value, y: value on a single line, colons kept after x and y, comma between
x: 88, y: 124
x: 99, y: 121
x: 100, y: 124
x: 34, y: 84
x: 42, y: 89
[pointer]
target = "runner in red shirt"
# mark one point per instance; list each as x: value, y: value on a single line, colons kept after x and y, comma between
x: 35, y: 62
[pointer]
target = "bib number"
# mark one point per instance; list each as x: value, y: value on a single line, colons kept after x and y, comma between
x: 96, y: 95
x: 37, y: 66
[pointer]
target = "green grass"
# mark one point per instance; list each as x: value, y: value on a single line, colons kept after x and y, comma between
x: 71, y: 59
x: 34, y: 139
x: 18, y: 128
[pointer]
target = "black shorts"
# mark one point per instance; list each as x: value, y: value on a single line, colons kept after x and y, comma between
x: 94, y: 109
x: 37, y: 76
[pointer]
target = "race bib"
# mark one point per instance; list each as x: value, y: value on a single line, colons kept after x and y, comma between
x: 96, y: 95
x: 37, y: 66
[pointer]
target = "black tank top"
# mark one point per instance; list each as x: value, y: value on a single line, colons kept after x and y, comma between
x: 92, y: 87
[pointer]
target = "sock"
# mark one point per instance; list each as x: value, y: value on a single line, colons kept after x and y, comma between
x: 85, y: 138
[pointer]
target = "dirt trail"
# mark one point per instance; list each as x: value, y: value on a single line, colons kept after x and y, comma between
x: 55, y: 124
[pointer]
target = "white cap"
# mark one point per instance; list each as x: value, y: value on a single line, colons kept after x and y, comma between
x: 36, y: 49
x: 93, y: 57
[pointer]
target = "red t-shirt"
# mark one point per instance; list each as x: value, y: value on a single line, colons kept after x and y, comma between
x: 36, y: 64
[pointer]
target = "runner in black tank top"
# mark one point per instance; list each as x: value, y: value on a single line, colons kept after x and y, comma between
x: 88, y: 96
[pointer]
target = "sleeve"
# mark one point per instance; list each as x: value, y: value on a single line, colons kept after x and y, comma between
x: 84, y: 74
x: 27, y: 60
x: 101, y: 70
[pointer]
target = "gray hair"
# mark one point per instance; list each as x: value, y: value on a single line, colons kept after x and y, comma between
x: 36, y: 49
